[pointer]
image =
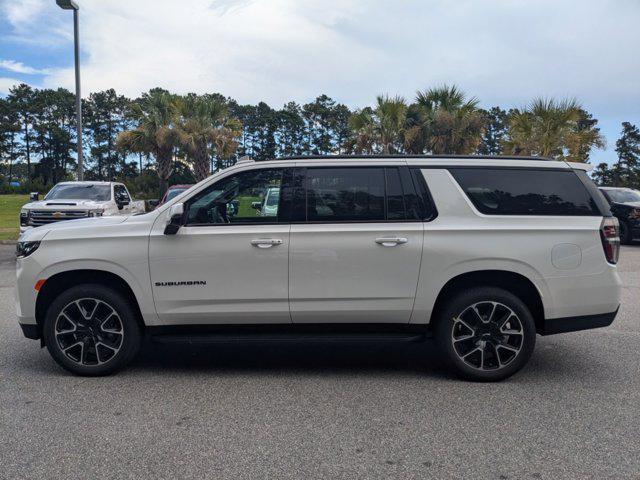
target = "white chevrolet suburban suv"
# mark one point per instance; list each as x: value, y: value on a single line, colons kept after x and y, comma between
x: 73, y: 200
x: 481, y: 253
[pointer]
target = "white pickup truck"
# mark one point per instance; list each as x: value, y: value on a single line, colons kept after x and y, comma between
x: 72, y: 200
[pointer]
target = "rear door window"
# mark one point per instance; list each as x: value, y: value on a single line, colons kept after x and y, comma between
x: 345, y: 194
x: 521, y: 191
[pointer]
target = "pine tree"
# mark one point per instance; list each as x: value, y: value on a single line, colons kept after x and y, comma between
x: 22, y: 98
x: 496, y: 128
x: 628, y: 149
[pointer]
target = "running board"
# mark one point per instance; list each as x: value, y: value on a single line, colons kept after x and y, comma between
x: 289, y: 333
x: 222, y: 338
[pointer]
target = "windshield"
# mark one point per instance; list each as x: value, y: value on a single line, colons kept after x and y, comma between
x: 623, y: 196
x: 174, y: 192
x: 98, y: 193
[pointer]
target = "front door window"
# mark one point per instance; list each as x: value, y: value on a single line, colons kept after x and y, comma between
x: 246, y: 198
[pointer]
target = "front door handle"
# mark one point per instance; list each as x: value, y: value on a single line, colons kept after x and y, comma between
x: 391, y: 241
x: 266, y: 242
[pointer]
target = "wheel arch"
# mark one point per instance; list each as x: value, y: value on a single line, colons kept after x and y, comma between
x: 515, y: 283
x: 61, y: 281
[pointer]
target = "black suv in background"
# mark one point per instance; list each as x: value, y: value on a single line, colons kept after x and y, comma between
x: 625, y: 205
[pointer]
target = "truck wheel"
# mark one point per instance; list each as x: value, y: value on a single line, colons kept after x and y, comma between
x: 92, y: 330
x: 486, y: 334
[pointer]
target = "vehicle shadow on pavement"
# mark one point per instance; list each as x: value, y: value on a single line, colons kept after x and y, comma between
x: 339, y: 358
x: 549, y: 361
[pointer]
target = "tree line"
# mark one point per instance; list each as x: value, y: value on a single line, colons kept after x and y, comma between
x: 161, y: 137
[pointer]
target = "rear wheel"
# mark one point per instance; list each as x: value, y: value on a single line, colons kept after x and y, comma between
x: 92, y: 330
x: 486, y: 334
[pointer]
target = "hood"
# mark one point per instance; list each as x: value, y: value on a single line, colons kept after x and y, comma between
x: 38, y: 233
x: 64, y: 204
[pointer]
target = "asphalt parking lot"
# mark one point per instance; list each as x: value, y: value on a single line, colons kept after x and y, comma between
x: 328, y: 411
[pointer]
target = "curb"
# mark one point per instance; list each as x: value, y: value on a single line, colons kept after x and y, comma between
x: 8, y: 242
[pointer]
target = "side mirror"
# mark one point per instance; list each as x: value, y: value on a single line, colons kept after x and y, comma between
x: 153, y: 203
x: 174, y: 222
x: 256, y: 205
x: 122, y: 204
x: 34, y: 196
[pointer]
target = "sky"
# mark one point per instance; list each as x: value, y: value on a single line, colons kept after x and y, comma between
x: 503, y: 52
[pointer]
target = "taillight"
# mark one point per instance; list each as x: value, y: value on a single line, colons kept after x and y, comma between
x: 610, y: 235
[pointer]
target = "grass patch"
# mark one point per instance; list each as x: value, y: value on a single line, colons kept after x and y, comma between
x: 9, y: 215
x: 244, y: 206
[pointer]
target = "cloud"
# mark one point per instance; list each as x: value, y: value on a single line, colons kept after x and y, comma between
x: 503, y: 52
x: 23, y: 12
x: 354, y: 49
x: 500, y: 52
x: 19, y: 67
x: 6, y: 83
x: 251, y: 50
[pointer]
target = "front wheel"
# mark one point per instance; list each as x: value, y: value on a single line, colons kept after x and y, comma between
x: 486, y: 334
x: 92, y: 330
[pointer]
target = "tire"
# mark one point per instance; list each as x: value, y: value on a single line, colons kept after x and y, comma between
x: 480, y: 349
x: 92, y: 330
x: 625, y: 234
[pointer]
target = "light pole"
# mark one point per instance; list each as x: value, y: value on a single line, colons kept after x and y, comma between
x: 71, y: 5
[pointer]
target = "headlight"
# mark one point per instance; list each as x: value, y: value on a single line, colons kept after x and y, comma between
x: 96, y: 213
x: 24, y: 249
x: 24, y: 217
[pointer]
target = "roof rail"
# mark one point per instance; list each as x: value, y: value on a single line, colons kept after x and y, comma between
x: 355, y: 157
x: 245, y: 159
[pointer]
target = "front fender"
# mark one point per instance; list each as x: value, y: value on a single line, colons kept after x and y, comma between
x: 141, y: 290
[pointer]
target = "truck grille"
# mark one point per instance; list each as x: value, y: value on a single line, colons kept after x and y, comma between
x: 44, y: 217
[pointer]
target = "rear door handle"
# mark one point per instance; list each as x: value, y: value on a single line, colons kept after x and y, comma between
x: 266, y: 242
x: 391, y: 241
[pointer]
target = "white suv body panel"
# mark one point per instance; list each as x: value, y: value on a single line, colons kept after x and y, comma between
x: 461, y: 240
x: 339, y: 272
x: 329, y: 272
x: 117, y: 245
x: 244, y: 284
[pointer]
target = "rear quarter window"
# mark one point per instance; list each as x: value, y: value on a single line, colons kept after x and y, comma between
x: 521, y: 191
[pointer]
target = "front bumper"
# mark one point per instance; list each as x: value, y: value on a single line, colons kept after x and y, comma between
x: 552, y: 326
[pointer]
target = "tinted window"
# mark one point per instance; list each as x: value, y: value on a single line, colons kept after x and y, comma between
x: 395, y: 196
x: 525, y: 191
x: 345, y: 194
x: 416, y: 196
x: 247, y: 197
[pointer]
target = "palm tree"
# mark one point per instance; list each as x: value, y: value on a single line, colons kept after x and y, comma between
x: 205, y: 131
x: 155, y: 134
x: 392, y: 118
x: 363, y: 132
x: 552, y: 129
x: 380, y: 129
x: 443, y: 121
